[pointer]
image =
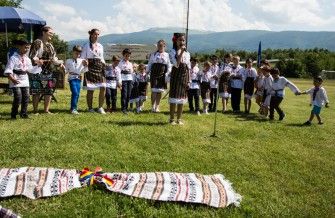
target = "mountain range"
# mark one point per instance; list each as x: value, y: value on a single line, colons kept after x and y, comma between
x: 207, y: 41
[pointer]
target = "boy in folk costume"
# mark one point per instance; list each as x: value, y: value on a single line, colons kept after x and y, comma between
x: 249, y: 77
x: 113, y: 81
x: 159, y: 67
x: 75, y: 66
x: 214, y: 82
x: 17, y: 69
x: 193, y: 91
x: 127, y: 77
x: 134, y: 94
x: 143, y: 80
x: 236, y: 82
x: 179, y: 78
x: 205, y: 80
x: 278, y: 92
x: 319, y: 98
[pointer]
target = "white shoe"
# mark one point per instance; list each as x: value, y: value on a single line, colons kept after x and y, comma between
x: 198, y: 113
x: 179, y: 122
x: 157, y: 110
x: 91, y: 110
x: 153, y: 110
x: 172, y: 122
x: 101, y: 111
x: 75, y: 112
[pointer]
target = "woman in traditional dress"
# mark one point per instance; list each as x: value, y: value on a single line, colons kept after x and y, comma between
x: 179, y: 78
x: 95, y: 77
x: 159, y: 66
x: 43, y: 53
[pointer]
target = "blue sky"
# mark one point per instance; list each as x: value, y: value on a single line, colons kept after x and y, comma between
x: 71, y: 19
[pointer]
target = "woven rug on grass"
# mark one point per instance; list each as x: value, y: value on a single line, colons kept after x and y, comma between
x: 5, y: 213
x: 211, y: 190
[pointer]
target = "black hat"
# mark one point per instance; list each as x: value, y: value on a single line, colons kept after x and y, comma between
x: 126, y: 51
x: 21, y: 42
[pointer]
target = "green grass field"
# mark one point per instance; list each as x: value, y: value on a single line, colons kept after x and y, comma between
x: 280, y: 168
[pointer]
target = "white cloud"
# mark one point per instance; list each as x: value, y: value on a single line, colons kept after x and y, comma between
x: 130, y: 16
x: 59, y: 9
x: 124, y: 16
x: 290, y: 12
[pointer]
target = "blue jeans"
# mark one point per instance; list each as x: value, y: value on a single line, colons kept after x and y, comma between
x: 75, y: 85
x: 125, y: 94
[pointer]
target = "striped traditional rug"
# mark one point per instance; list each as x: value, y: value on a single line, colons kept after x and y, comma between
x: 211, y: 190
x: 5, y: 213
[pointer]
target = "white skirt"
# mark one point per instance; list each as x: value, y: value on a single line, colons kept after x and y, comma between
x: 155, y: 90
x: 94, y: 86
x: 177, y: 100
x: 225, y: 95
x: 143, y: 98
x: 135, y: 100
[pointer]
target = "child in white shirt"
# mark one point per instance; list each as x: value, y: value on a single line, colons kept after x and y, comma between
x: 75, y: 66
x: 17, y: 69
x: 113, y: 81
x: 320, y: 99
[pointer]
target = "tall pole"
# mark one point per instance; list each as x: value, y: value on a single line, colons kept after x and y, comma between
x: 187, y: 19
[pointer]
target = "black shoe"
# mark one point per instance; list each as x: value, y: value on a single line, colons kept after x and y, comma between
x: 320, y: 123
x: 282, y: 117
x: 125, y: 112
x: 271, y: 118
x: 307, y: 123
x: 24, y: 116
x: 13, y: 117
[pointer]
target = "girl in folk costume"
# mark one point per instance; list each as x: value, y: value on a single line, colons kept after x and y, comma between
x: 143, y: 80
x: 113, y: 81
x: 236, y: 82
x: 214, y: 82
x: 193, y: 91
x: 180, y: 78
x: 75, y: 66
x: 206, y: 76
x: 259, y: 84
x: 134, y: 94
x: 278, y: 92
x: 95, y: 77
x: 43, y: 53
x: 224, y: 86
x: 249, y: 77
x: 159, y: 66
x: 127, y: 77
x: 267, y: 88
x: 17, y: 69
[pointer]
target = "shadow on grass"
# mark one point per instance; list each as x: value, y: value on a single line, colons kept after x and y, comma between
x: 136, y: 123
x: 297, y: 125
x: 251, y: 117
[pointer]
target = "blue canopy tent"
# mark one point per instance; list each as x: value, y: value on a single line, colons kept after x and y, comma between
x: 18, y: 20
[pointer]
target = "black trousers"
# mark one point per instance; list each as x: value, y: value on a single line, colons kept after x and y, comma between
x: 111, y: 97
x: 275, y: 105
x: 21, y: 97
x: 236, y: 98
x: 214, y: 96
x: 125, y: 94
x: 193, y: 94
